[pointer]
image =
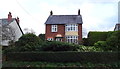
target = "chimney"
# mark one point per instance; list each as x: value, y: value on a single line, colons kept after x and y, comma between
x: 9, y: 17
x: 51, y: 13
x: 17, y: 19
x: 79, y: 12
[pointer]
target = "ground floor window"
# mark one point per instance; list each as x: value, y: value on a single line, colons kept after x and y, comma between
x: 72, y: 39
x: 50, y: 39
x: 58, y: 39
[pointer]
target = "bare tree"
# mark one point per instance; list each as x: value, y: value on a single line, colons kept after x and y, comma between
x: 8, y: 33
x: 26, y: 30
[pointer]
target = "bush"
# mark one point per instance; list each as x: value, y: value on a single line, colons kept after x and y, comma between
x: 93, y: 37
x: 89, y: 49
x: 114, y: 41
x: 58, y: 46
x: 29, y: 39
x: 102, y: 45
x: 27, y: 42
x: 85, y: 41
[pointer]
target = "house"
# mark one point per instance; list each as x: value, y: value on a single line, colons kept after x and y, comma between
x: 10, y: 29
x: 117, y: 27
x: 65, y: 28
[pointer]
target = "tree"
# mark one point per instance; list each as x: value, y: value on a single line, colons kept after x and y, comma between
x: 114, y: 40
x: 8, y: 33
x: 28, y: 42
x: 42, y: 36
x: 26, y: 30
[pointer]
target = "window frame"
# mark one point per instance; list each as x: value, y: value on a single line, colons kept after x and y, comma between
x: 54, y: 28
x: 71, y: 27
x: 72, y: 39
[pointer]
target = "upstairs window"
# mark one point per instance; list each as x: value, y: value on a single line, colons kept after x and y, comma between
x: 53, y: 28
x: 71, y: 27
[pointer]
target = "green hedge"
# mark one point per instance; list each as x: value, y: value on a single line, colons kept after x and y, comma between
x: 93, y: 37
x: 83, y: 57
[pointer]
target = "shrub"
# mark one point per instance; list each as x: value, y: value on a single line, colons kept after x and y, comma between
x: 88, y: 49
x: 114, y: 41
x: 58, y: 46
x: 30, y: 39
x: 42, y: 36
x: 85, y: 41
x: 93, y: 37
x: 27, y: 42
x: 102, y: 45
x: 82, y: 57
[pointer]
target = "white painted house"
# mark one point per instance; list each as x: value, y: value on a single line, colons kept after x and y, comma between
x: 10, y: 29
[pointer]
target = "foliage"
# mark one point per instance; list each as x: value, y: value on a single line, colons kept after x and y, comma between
x: 42, y: 36
x: 27, y: 42
x: 102, y: 45
x: 58, y: 46
x: 30, y: 39
x: 85, y: 41
x: 56, y: 65
x: 69, y: 56
x: 93, y: 37
x: 88, y: 49
x: 113, y: 41
x: 108, y: 41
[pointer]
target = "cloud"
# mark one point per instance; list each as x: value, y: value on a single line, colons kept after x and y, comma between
x: 97, y: 14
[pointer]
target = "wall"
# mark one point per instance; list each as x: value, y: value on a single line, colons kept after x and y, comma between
x: 80, y: 32
x: 18, y: 33
x: 60, y: 30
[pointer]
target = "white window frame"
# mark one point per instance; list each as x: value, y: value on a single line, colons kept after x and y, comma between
x: 72, y: 39
x: 71, y: 27
x: 53, y: 28
x: 58, y: 39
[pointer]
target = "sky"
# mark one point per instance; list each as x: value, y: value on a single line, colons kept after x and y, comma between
x: 97, y: 15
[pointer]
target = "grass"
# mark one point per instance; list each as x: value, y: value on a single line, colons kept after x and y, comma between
x: 53, y: 64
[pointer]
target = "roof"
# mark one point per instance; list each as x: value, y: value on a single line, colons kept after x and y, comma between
x: 64, y: 19
x: 117, y: 27
x: 5, y: 22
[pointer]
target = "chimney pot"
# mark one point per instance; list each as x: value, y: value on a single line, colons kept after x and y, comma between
x: 9, y: 17
x: 51, y: 13
x: 79, y: 12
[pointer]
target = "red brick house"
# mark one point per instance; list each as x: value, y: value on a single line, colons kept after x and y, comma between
x: 66, y: 28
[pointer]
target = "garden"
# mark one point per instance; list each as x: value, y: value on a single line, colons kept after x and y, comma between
x: 99, y: 50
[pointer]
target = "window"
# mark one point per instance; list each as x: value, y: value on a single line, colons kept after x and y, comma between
x: 53, y: 28
x: 72, y: 39
x: 71, y: 27
x: 50, y: 39
x: 58, y: 39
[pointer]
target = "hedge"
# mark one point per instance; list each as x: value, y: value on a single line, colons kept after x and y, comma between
x: 82, y: 57
x: 93, y: 37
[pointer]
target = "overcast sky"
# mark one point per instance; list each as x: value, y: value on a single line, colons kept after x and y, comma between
x: 97, y: 15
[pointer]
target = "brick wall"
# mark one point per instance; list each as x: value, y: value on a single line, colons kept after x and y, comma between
x: 60, y: 30
x: 80, y: 32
